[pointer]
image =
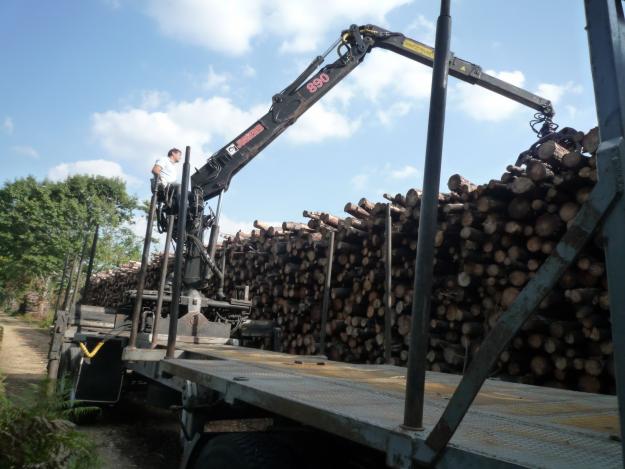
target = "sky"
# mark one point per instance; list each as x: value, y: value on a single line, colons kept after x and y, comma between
x: 107, y: 86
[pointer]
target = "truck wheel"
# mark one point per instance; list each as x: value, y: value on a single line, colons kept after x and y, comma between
x: 253, y: 450
x: 68, y: 370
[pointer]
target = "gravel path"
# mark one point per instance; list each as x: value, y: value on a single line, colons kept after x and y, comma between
x: 128, y: 436
x: 23, y: 351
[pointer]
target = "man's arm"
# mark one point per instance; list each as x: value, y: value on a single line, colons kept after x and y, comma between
x: 156, y: 170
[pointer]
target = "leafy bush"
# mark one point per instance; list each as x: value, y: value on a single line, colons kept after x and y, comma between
x: 37, y: 433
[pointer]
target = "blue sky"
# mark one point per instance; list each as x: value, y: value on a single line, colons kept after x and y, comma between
x: 106, y: 86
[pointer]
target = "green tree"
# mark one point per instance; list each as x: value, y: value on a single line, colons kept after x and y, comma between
x: 41, y: 221
x: 116, y: 246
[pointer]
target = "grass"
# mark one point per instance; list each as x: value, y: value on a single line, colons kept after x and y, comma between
x: 38, y: 432
x: 35, y: 320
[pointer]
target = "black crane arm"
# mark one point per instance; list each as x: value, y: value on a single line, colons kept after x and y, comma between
x: 288, y: 105
x: 458, y: 68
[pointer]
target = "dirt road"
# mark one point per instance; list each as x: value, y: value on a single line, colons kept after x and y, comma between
x: 127, y: 436
x: 23, y: 353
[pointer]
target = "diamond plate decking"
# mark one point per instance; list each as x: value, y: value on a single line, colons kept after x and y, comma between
x: 508, y: 425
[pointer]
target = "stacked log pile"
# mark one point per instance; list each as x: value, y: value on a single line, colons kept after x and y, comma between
x: 491, y: 240
x: 108, y: 288
x: 35, y: 302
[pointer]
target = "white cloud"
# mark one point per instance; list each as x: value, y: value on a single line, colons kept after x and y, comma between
x: 7, y: 125
x: 406, y: 172
x: 90, y: 167
x: 386, y: 73
x: 572, y: 111
x: 484, y: 105
x: 230, y: 26
x: 25, y: 150
x: 422, y: 30
x: 555, y: 92
x: 302, y: 26
x: 138, y: 225
x: 153, y: 99
x: 249, y: 71
x: 320, y: 123
x: 340, y: 96
x: 359, y: 181
x: 115, y: 4
x: 214, y: 80
x: 139, y: 137
x: 387, y: 175
x: 229, y: 226
x: 224, y: 26
x: 394, y: 111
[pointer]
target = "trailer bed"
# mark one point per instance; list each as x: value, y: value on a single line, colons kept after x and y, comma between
x: 509, y: 424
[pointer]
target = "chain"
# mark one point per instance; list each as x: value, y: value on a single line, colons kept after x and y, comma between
x: 547, y: 126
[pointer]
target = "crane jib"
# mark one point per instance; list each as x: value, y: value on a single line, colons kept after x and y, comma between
x: 244, y: 139
x: 288, y: 105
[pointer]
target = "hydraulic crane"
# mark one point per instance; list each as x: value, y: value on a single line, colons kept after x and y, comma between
x: 352, y: 47
x: 514, y: 426
x: 214, y: 178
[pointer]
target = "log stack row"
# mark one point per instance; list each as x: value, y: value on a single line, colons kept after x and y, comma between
x: 108, y: 287
x: 491, y: 240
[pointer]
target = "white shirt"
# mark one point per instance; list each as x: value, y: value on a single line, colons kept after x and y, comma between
x: 169, y: 172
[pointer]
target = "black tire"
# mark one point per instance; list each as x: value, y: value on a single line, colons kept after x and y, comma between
x: 253, y: 450
x: 69, y: 365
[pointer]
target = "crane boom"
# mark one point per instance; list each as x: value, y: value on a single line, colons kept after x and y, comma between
x: 314, y: 83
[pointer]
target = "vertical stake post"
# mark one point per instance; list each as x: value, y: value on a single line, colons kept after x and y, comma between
x: 136, y: 312
x: 58, y: 295
x: 415, y: 379
x: 326, y: 295
x: 69, y: 285
x: 214, y: 236
x: 94, y: 246
x: 161, y: 284
x: 181, y: 230
x: 222, y: 280
x: 77, y: 282
x: 388, y: 285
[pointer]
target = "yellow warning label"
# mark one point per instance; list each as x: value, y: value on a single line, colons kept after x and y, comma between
x: 420, y: 49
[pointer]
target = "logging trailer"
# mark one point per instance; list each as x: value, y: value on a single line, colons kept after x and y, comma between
x: 291, y: 408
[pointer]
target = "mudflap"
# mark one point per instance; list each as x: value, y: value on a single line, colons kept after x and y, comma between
x: 100, y: 378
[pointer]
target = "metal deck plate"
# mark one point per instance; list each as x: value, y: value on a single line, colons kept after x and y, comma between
x: 509, y: 424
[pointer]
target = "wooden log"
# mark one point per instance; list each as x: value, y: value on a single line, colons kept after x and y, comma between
x: 294, y: 226
x: 538, y: 170
x: 588, y: 383
x: 573, y: 160
x: 548, y: 225
x: 522, y: 185
x: 457, y: 183
x: 568, y: 211
x: 590, y: 142
x: 541, y: 365
x: 356, y: 211
x: 519, y: 208
x: 413, y: 197
x: 551, y: 151
x: 366, y: 204
x: 487, y: 204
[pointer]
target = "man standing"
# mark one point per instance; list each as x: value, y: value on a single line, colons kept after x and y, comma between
x: 165, y: 170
